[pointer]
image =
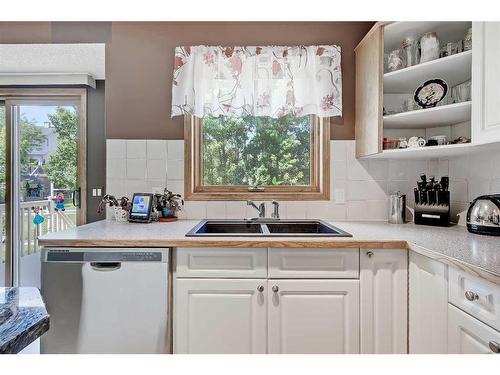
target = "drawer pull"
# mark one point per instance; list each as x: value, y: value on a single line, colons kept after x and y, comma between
x: 495, y: 347
x: 471, y: 296
x: 369, y: 254
x: 276, y: 289
x: 260, y: 288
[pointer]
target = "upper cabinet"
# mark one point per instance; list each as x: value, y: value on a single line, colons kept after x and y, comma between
x: 486, y: 109
x: 393, y: 61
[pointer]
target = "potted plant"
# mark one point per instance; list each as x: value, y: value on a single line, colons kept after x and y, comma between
x: 169, y: 204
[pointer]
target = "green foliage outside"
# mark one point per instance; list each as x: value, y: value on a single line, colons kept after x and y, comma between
x: 31, y: 136
x: 256, y: 151
x: 61, y: 168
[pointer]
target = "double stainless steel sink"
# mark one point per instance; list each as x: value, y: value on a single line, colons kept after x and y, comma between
x: 265, y: 228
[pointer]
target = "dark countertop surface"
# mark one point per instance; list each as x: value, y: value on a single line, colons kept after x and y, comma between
x: 23, y: 318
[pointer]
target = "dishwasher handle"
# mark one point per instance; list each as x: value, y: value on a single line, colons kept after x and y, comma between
x: 105, y: 266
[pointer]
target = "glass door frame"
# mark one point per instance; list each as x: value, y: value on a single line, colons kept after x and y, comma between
x: 32, y: 96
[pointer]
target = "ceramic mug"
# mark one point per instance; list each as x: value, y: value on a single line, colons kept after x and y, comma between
x: 416, y: 142
x: 403, y: 143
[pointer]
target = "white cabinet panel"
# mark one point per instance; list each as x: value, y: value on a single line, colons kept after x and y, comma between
x: 467, y: 335
x: 383, y: 306
x: 476, y: 296
x: 313, y: 316
x: 221, y: 262
x: 314, y: 263
x: 220, y: 316
x: 485, y: 82
x: 428, y: 301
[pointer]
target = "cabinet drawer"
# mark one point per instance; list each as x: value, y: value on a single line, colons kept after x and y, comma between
x: 476, y: 296
x: 467, y: 335
x: 221, y: 262
x: 314, y: 263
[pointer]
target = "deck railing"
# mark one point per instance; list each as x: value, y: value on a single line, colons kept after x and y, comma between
x: 55, y: 221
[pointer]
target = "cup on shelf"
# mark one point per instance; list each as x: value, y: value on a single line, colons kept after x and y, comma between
x: 439, y: 139
x: 415, y: 142
x: 462, y: 92
x: 429, y: 47
x: 394, y: 61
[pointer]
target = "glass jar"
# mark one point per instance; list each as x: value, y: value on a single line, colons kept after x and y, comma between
x: 394, y: 61
x: 429, y: 47
x: 410, y: 50
x: 468, y: 40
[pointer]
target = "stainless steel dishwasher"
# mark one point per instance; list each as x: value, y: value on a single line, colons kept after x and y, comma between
x: 107, y: 300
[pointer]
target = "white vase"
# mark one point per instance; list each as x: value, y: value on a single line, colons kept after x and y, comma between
x: 429, y: 47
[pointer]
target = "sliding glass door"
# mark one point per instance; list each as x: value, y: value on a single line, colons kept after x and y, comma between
x: 44, y: 175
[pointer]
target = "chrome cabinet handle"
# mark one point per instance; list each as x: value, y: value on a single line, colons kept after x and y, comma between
x: 260, y: 288
x: 275, y: 288
x: 369, y: 254
x: 494, y: 346
x: 471, y: 296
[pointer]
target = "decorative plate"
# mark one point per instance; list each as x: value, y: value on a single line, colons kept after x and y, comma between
x: 431, y: 93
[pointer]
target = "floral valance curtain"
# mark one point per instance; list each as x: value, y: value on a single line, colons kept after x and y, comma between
x: 258, y: 81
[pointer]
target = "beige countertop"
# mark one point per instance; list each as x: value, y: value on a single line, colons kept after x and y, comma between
x: 454, y: 245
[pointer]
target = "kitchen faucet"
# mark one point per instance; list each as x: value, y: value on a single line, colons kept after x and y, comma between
x: 261, y: 208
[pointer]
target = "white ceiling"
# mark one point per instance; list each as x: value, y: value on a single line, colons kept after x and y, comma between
x: 87, y: 58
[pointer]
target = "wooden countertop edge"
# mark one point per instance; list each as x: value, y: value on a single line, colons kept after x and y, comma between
x: 206, y: 242
x: 278, y: 243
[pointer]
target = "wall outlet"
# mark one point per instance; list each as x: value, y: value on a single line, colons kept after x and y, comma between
x: 339, y: 196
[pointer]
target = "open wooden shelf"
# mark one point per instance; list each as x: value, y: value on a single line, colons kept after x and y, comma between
x: 453, y: 69
x: 430, y: 118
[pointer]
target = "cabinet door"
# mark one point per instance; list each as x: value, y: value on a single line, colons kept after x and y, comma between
x: 428, y: 301
x: 485, y: 82
x: 383, y: 288
x: 467, y: 335
x: 369, y: 93
x: 220, y: 316
x: 313, y: 316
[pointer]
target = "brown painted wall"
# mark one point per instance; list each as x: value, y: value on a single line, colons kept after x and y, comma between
x: 139, y: 65
x: 139, y: 62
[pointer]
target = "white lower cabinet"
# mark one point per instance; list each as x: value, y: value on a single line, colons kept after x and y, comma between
x: 467, y: 335
x: 220, y: 316
x: 313, y: 316
x: 428, y: 305
x: 383, y: 301
x: 297, y: 314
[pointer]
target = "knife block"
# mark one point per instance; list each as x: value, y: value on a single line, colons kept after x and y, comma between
x: 434, y: 214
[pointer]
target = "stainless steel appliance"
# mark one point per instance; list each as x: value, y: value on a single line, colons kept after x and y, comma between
x: 483, y: 216
x: 397, y: 208
x: 106, y: 300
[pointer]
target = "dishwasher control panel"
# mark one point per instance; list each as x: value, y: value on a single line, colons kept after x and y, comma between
x: 103, y: 255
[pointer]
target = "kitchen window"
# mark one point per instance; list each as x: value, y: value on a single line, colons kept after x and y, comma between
x: 250, y: 157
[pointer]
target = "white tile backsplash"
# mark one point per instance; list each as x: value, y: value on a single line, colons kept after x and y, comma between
x: 136, y: 169
x: 116, y: 148
x: 136, y: 149
x: 175, y: 169
x: 156, y: 149
x: 144, y: 165
x: 175, y: 150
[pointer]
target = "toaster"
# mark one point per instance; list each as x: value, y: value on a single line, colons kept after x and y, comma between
x: 483, y: 216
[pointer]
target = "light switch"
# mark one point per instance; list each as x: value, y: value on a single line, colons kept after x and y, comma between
x: 99, y: 192
x: 94, y: 192
x: 339, y: 196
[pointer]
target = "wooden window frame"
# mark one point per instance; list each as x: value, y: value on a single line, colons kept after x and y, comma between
x: 320, y: 170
